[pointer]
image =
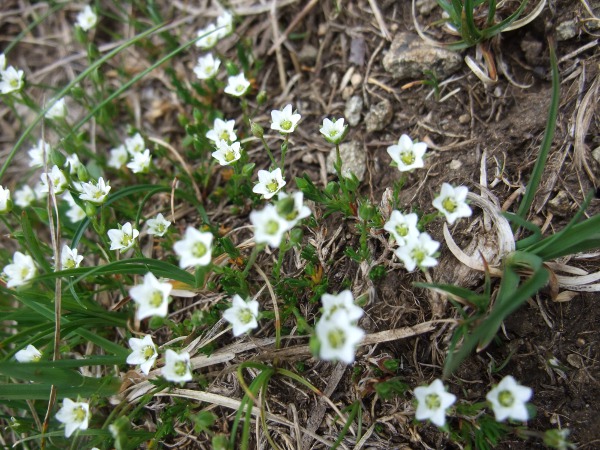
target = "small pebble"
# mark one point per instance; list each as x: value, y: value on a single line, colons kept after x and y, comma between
x: 464, y: 119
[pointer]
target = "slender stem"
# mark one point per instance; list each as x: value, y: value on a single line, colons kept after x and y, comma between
x: 268, y: 149
x: 252, y: 259
x: 284, y: 149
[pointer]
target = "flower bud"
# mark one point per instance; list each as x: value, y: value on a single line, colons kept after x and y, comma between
x: 257, y: 130
x: 285, y: 207
x: 82, y: 174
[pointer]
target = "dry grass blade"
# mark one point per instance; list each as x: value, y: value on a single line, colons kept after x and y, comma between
x: 585, y: 113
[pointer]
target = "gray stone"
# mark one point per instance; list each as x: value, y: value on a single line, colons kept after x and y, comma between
x: 308, y: 54
x: 560, y: 205
x: 566, y: 30
x: 596, y: 154
x: 353, y: 109
x: 353, y: 157
x: 409, y: 57
x: 379, y: 116
x: 425, y: 6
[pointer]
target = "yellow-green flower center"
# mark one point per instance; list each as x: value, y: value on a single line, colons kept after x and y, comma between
x: 433, y: 401
x: 148, y: 352
x: 224, y: 135
x: 272, y: 226
x: 506, y: 399
x: 156, y: 298
x: 24, y: 272
x: 79, y: 414
x: 418, y: 255
x: 208, y: 69
x: 245, y: 316
x: 126, y: 240
x: 402, y: 229
x: 286, y: 124
x: 180, y: 368
x: 198, y: 250
x: 407, y: 157
x: 272, y: 186
x: 69, y: 263
x: 229, y: 155
x: 336, y: 338
x: 160, y: 228
x: 449, y: 204
x: 333, y: 133
x: 239, y: 88
x: 97, y: 194
x: 14, y: 83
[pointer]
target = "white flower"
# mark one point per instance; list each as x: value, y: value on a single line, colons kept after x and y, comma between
x: 338, y: 337
x: 343, y: 301
x: 177, y: 367
x: 122, y: 238
x: 39, y: 153
x: 12, y: 80
x: 222, y: 131
x: 207, y: 67
x: 269, y: 183
x: 209, y: 36
x: 20, y: 271
x: 58, y: 110
x: 158, y: 225
x: 509, y: 400
x: 333, y: 130
x: 2, y: 63
x: 39, y: 192
x: 24, y: 196
x: 152, y: 297
x: 29, y: 354
x: 195, y: 249
x: 242, y: 315
x: 406, y: 155
x: 418, y: 252
x: 57, y: 178
x: 144, y: 353
x: 75, y: 415
x: 237, y: 85
x: 227, y: 153
x: 284, y: 121
x: 433, y: 400
x: 5, y: 201
x: 86, y: 19
x: 224, y: 24
x: 72, y: 161
x: 135, y: 144
x: 269, y: 227
x: 403, y: 227
x: 75, y: 212
x: 292, y: 210
x: 140, y: 162
x: 95, y: 192
x: 69, y: 259
x: 452, y: 202
x: 118, y: 157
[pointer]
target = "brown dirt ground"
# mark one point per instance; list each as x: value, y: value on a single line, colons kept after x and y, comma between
x: 506, y: 122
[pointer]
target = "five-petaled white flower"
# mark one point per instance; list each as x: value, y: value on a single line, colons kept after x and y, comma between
x: 86, y: 19
x: 242, y: 315
x: 95, y: 192
x: 140, y: 162
x: 418, y: 252
x: 73, y: 163
x: 24, y: 196
x: 152, y: 297
x: 12, y: 80
x: 177, y: 367
x: 333, y: 130
x: 39, y: 153
x: 292, y: 208
x: 403, y: 227
x: 21, y: 271
x: 269, y: 227
x: 118, y: 157
x: 29, y: 354
x: 432, y: 402
x: 58, y: 110
x: 227, y: 153
x: 224, y: 24
x: 406, y: 154
x: 237, y: 85
x: 208, y: 37
x: 452, y: 202
x: 338, y: 337
x: 158, y: 225
x: 75, y: 212
x: 343, y: 301
x: 5, y: 201
x: 69, y: 259
x: 122, y: 238
x: 269, y: 183
x: 135, y: 144
x: 207, y: 67
x: 284, y: 121
x: 75, y: 415
x: 195, y: 248
x: 143, y: 353
x: 222, y: 131
x: 56, y: 178
x: 509, y: 400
